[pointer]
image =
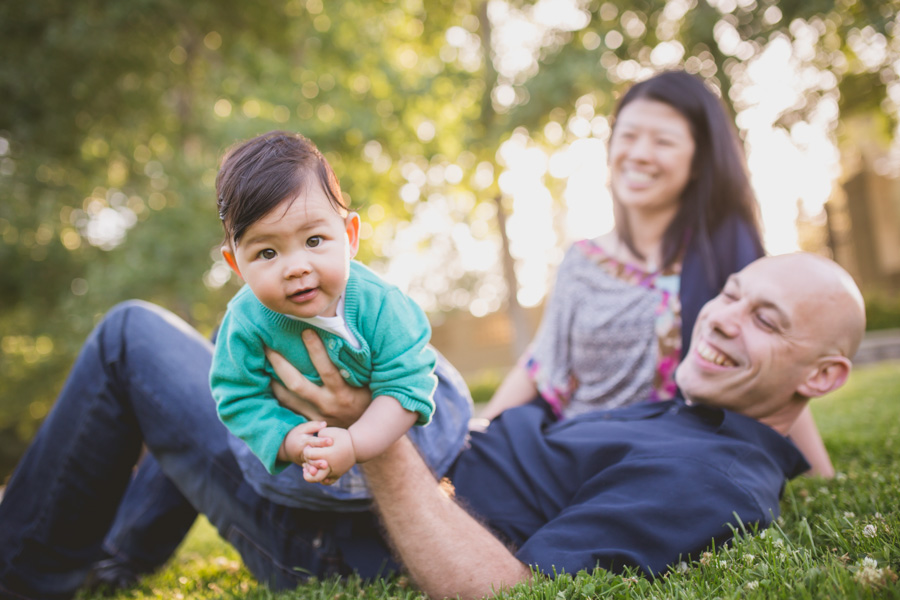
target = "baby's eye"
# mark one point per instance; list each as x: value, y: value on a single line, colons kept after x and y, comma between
x: 314, y: 241
x: 267, y: 254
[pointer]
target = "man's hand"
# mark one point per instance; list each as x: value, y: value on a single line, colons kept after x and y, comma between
x: 334, y: 401
x: 326, y: 464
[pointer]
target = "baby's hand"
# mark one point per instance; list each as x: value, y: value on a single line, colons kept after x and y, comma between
x: 338, y: 456
x: 299, y: 438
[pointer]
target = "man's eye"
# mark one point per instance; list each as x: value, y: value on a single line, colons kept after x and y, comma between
x: 267, y: 254
x: 729, y: 295
x: 765, y: 322
x: 314, y: 241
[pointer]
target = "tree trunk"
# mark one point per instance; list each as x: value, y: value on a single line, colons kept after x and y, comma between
x: 518, y: 320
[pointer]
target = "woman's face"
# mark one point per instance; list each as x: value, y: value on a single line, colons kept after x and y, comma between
x: 650, y: 157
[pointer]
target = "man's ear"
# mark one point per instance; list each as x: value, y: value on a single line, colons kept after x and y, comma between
x: 831, y: 373
x: 229, y: 258
x: 352, y: 226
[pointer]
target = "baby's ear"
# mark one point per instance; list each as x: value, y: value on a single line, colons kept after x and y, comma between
x: 229, y: 258
x: 352, y: 228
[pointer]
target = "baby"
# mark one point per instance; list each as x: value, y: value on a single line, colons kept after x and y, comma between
x: 292, y: 240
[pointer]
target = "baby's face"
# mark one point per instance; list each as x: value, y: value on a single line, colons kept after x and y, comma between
x: 296, y: 258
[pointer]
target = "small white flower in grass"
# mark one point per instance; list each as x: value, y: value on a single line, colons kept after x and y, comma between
x: 869, y: 562
x: 870, y: 531
x: 849, y: 515
x: 869, y: 576
x: 778, y: 543
x: 749, y: 558
x: 723, y: 564
x: 752, y: 585
x: 841, y: 476
x: 681, y: 567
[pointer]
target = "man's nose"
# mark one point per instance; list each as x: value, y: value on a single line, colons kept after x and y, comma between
x: 726, y: 319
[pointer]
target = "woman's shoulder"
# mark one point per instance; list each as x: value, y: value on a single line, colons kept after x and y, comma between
x: 735, y: 230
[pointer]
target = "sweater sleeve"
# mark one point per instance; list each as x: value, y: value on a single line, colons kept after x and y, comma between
x: 242, y: 390
x: 402, y: 361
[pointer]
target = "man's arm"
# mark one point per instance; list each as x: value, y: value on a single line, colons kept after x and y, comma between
x: 447, y: 552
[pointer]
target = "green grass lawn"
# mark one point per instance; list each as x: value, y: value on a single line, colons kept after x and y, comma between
x: 835, y: 539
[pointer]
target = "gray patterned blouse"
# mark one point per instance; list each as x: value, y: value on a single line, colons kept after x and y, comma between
x: 610, y: 335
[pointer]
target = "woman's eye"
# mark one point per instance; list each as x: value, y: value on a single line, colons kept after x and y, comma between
x: 314, y: 241
x: 267, y: 254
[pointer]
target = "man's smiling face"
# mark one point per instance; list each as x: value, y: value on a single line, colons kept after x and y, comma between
x: 757, y: 343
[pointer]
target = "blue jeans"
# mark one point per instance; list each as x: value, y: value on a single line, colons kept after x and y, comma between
x: 142, y: 379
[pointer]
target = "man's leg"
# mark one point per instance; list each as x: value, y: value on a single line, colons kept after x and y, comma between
x: 141, y: 376
x: 152, y: 520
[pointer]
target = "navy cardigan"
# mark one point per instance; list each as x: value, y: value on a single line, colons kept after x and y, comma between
x: 733, y: 246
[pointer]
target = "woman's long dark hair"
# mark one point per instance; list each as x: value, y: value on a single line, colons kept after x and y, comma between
x: 719, y: 186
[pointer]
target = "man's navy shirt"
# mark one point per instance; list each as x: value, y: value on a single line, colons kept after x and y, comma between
x: 644, y: 486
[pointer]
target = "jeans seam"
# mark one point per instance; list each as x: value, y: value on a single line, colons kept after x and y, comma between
x: 237, y: 531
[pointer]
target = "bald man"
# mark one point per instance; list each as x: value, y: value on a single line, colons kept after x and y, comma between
x: 643, y: 486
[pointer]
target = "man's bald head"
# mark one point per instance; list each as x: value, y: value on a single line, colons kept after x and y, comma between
x: 832, y: 296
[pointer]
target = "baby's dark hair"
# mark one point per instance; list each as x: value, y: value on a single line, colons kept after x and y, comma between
x: 259, y: 174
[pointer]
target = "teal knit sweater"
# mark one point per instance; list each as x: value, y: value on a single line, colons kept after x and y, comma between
x: 394, y: 359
